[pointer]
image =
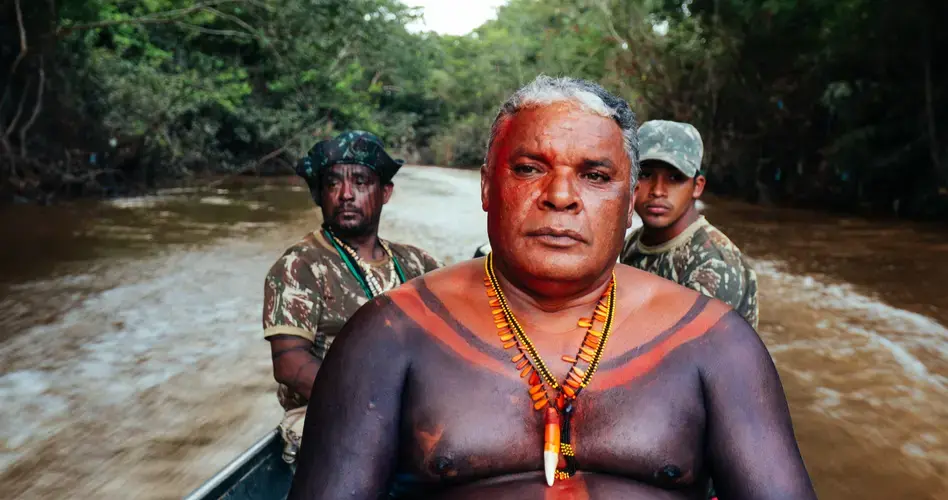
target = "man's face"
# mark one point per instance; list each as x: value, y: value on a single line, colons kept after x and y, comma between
x: 664, y: 194
x: 557, y: 196
x: 351, y: 198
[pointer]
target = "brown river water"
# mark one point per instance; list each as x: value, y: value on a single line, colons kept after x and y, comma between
x: 132, y: 363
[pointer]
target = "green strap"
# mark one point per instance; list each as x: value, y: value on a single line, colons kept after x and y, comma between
x: 349, y: 264
x: 398, y: 268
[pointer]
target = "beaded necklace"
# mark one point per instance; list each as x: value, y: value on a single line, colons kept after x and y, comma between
x: 557, y: 438
x: 362, y: 271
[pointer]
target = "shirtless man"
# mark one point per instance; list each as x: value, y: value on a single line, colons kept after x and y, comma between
x: 432, y: 390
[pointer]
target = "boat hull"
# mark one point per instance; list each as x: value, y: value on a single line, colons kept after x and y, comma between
x: 257, y: 474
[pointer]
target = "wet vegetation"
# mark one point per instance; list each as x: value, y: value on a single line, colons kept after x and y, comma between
x: 838, y: 104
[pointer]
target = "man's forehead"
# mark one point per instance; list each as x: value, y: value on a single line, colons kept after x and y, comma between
x: 562, y: 127
x: 342, y: 169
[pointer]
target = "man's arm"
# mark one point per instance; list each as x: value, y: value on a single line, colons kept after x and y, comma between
x: 351, y: 433
x: 291, y: 308
x: 751, y: 447
x: 294, y: 364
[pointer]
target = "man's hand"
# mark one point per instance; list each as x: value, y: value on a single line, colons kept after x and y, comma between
x: 293, y: 363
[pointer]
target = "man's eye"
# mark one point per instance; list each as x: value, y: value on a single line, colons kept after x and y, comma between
x: 525, y: 169
x: 645, y: 175
x: 597, y: 177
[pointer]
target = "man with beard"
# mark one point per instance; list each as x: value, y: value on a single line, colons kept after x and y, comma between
x: 547, y: 369
x: 318, y: 283
x: 676, y: 242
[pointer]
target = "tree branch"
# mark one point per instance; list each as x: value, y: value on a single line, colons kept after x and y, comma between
x: 166, y: 17
x: 36, y: 109
x: 24, y: 48
x: 19, y: 110
x: 212, y: 31
x: 240, y: 22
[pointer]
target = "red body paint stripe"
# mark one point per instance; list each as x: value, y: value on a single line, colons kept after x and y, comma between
x: 410, y: 303
x: 649, y: 360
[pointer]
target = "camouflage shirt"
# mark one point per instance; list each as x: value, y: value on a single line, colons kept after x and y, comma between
x: 701, y: 258
x: 310, y: 293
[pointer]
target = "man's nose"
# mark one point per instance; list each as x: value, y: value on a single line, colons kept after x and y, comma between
x: 561, y: 192
x: 657, y: 187
x: 346, y: 193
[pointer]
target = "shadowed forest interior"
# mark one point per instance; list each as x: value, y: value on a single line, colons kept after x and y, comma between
x: 840, y: 105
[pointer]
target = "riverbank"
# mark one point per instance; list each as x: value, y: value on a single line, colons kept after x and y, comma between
x: 135, y: 366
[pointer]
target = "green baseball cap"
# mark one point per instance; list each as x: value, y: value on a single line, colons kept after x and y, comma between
x: 678, y: 144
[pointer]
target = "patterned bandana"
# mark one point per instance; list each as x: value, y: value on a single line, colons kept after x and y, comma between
x: 352, y: 147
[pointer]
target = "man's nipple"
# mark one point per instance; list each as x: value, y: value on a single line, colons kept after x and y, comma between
x: 668, y: 474
x: 444, y: 467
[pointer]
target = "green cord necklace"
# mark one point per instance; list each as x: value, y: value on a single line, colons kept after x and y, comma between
x: 356, y: 267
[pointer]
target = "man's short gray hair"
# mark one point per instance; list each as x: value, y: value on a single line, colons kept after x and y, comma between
x: 546, y: 90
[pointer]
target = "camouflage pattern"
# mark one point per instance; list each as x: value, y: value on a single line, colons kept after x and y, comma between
x: 310, y: 293
x: 678, y: 144
x: 701, y: 258
x: 352, y: 147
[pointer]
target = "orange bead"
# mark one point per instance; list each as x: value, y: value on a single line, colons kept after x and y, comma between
x: 571, y: 383
x: 587, y: 350
x: 585, y: 357
x: 505, y: 338
x: 497, y: 311
x: 579, y: 371
x: 594, y: 333
x: 522, y: 364
x: 585, y: 322
x: 526, y: 371
x: 494, y: 302
x: 601, y: 317
x: 510, y: 344
x: 534, y: 379
x: 491, y: 292
x: 518, y: 357
x: 574, y: 376
x: 569, y: 359
x: 501, y: 324
x: 591, y: 343
x: 535, y: 389
x: 540, y: 404
x: 536, y: 396
x: 569, y: 391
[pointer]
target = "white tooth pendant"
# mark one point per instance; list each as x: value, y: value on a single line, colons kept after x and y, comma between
x: 551, y: 443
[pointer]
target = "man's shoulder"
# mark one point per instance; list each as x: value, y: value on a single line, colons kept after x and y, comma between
x: 671, y: 312
x: 415, y: 260
x: 308, y: 252
x: 710, y: 243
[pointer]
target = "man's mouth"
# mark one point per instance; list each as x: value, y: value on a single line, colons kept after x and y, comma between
x: 657, y: 209
x: 557, y: 237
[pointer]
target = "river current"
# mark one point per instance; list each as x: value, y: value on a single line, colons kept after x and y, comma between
x: 132, y: 362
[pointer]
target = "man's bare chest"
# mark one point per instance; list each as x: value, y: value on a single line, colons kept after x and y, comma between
x: 462, y: 422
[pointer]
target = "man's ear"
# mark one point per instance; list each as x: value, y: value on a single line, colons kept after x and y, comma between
x: 485, y: 188
x: 699, y: 187
x: 387, y: 192
x: 631, y: 215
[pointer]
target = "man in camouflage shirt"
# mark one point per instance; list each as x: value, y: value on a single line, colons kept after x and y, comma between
x: 676, y: 242
x: 319, y: 282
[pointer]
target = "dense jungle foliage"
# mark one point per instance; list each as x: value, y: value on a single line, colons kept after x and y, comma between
x: 839, y: 104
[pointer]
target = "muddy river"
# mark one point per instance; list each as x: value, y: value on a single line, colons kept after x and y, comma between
x: 132, y: 363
